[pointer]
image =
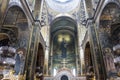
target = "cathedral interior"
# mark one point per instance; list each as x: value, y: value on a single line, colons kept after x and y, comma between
x: 59, y: 39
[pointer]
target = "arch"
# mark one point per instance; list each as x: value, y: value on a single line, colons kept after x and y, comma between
x: 64, y: 73
x: 64, y: 43
x: 17, y: 21
x: 39, y: 64
x: 108, y: 6
x: 12, y: 4
x: 15, y: 24
x: 64, y: 77
x: 89, y: 63
x: 103, y: 7
x: 4, y: 39
x: 40, y: 55
x: 65, y: 16
x: 109, y: 2
x: 3, y: 36
x: 109, y: 22
x: 88, y: 55
x: 110, y: 16
x: 17, y: 8
x: 71, y: 26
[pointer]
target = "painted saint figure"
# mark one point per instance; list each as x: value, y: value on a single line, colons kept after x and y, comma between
x: 109, y: 61
x: 63, y: 48
x: 22, y: 59
x: 19, y: 64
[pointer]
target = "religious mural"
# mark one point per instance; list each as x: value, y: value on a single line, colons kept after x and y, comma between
x: 63, y: 46
x: 13, y: 50
x: 64, y: 51
x: 109, y: 34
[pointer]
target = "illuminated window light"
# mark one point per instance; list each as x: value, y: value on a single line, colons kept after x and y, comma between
x: 55, y: 72
x: 74, y: 72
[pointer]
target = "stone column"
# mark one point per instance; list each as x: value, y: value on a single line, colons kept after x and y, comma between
x: 80, y: 52
x: 32, y: 53
x: 47, y: 54
x: 51, y: 66
x: 51, y: 59
x: 46, y: 61
x: 96, y: 52
x: 82, y: 61
x: 77, y: 67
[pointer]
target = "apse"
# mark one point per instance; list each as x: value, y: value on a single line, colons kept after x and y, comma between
x: 63, y: 44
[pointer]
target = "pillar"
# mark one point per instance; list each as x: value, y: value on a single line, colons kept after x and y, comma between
x: 51, y: 59
x: 32, y: 52
x: 96, y: 52
x: 82, y: 65
x: 46, y: 61
x: 47, y: 53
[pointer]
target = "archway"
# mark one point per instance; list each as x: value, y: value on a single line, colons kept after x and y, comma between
x: 108, y: 35
x: 64, y: 74
x: 64, y: 77
x: 89, y: 67
x: 39, y: 62
x: 15, y: 25
x: 63, y: 45
x: 4, y: 39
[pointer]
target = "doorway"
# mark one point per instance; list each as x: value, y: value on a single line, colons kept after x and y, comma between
x: 89, y: 63
x: 64, y: 77
x: 39, y: 62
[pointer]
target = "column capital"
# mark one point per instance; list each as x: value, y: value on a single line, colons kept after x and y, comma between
x: 37, y: 24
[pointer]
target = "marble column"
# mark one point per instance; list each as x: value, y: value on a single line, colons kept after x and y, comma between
x: 97, y: 56
x: 46, y: 62
x: 32, y: 52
